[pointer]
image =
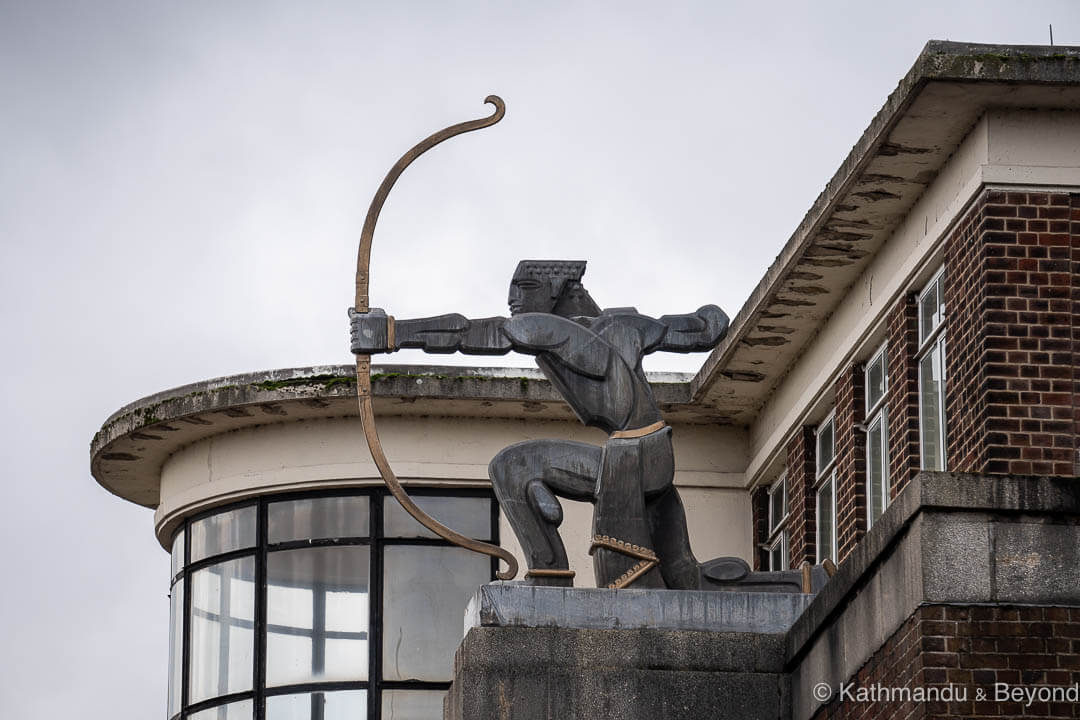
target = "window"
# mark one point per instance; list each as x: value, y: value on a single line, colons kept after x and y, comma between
x: 932, y: 373
x: 826, y: 490
x: 285, y: 608
x: 877, y: 440
x: 777, y: 541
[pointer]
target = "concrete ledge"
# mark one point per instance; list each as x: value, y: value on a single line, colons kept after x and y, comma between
x: 519, y: 605
x: 1051, y: 497
x: 565, y: 673
x: 948, y: 538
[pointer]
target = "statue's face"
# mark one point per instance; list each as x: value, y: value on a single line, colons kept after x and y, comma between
x: 529, y: 295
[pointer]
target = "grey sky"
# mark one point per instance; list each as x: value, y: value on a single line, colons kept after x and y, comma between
x: 183, y: 185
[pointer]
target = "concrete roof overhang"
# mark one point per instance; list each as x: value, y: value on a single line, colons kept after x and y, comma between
x: 922, y: 123
x: 127, y: 454
x: 936, y: 104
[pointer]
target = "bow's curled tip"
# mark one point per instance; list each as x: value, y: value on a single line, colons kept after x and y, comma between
x: 500, y: 107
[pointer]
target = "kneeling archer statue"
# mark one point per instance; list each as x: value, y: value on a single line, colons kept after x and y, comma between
x: 593, y: 358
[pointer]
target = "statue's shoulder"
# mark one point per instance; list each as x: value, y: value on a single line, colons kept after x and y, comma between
x: 576, y: 345
x: 650, y: 330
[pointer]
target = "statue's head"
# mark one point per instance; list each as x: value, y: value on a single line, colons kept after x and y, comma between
x: 551, y: 286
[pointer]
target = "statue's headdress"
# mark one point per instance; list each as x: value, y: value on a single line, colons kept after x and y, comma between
x: 564, y: 278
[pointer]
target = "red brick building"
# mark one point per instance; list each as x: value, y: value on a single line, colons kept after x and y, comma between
x: 937, y: 463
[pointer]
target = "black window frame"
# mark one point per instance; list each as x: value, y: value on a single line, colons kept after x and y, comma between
x: 374, y: 685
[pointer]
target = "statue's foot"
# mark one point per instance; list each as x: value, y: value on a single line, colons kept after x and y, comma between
x: 550, y: 577
x: 725, y: 570
x: 731, y: 573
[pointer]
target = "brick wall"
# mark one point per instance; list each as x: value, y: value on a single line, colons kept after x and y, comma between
x: 801, y: 451
x: 895, y: 664
x: 850, y: 460
x: 1011, y: 387
x: 902, y: 395
x: 971, y: 648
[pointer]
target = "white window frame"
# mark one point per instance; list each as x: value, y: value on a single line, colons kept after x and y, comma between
x: 929, y: 340
x: 777, y: 537
x: 825, y: 475
x: 877, y: 415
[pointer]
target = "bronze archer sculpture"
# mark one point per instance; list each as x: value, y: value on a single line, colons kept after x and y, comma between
x: 593, y: 358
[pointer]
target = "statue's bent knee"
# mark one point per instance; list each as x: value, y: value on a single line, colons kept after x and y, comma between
x: 545, y: 502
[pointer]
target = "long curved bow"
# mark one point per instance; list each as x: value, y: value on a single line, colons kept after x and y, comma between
x: 363, y: 362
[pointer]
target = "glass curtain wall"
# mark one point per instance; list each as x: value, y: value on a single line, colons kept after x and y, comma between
x: 322, y: 606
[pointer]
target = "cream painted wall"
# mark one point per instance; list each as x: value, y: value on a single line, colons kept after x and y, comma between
x: 445, y: 452
x: 1005, y: 148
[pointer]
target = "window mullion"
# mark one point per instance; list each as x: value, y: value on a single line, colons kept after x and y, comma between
x: 260, y: 612
x: 185, y: 654
x: 375, y: 598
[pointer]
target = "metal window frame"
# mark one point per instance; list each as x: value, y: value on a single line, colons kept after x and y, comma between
x: 822, y: 471
x: 885, y: 489
x: 934, y: 339
x: 877, y: 413
x: 830, y: 480
x: 374, y: 685
x: 778, y: 487
x: 937, y: 278
x: 776, y: 533
x: 825, y: 475
x: 781, y: 541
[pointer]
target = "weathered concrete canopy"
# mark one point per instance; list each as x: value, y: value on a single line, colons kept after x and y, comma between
x: 937, y: 103
x: 126, y: 455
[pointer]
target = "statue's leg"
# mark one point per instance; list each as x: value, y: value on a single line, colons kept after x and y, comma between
x: 667, y: 518
x: 626, y: 542
x: 527, y: 477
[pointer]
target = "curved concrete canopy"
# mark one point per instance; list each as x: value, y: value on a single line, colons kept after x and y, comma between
x: 127, y: 454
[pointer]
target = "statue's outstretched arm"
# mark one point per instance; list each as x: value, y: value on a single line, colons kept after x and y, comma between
x: 375, y: 332
x: 694, y: 332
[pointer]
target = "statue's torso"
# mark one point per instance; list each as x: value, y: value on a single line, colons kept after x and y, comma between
x: 597, y: 369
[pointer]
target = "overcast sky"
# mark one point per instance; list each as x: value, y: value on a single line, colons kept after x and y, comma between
x: 182, y: 186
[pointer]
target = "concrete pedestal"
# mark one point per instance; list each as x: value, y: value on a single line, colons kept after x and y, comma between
x: 569, y: 653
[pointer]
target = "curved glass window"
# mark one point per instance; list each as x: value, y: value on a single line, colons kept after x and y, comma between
x: 321, y: 606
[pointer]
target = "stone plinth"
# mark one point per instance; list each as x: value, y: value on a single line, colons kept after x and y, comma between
x: 567, y: 653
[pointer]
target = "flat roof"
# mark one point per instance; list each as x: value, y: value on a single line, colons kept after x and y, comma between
x: 923, y: 121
